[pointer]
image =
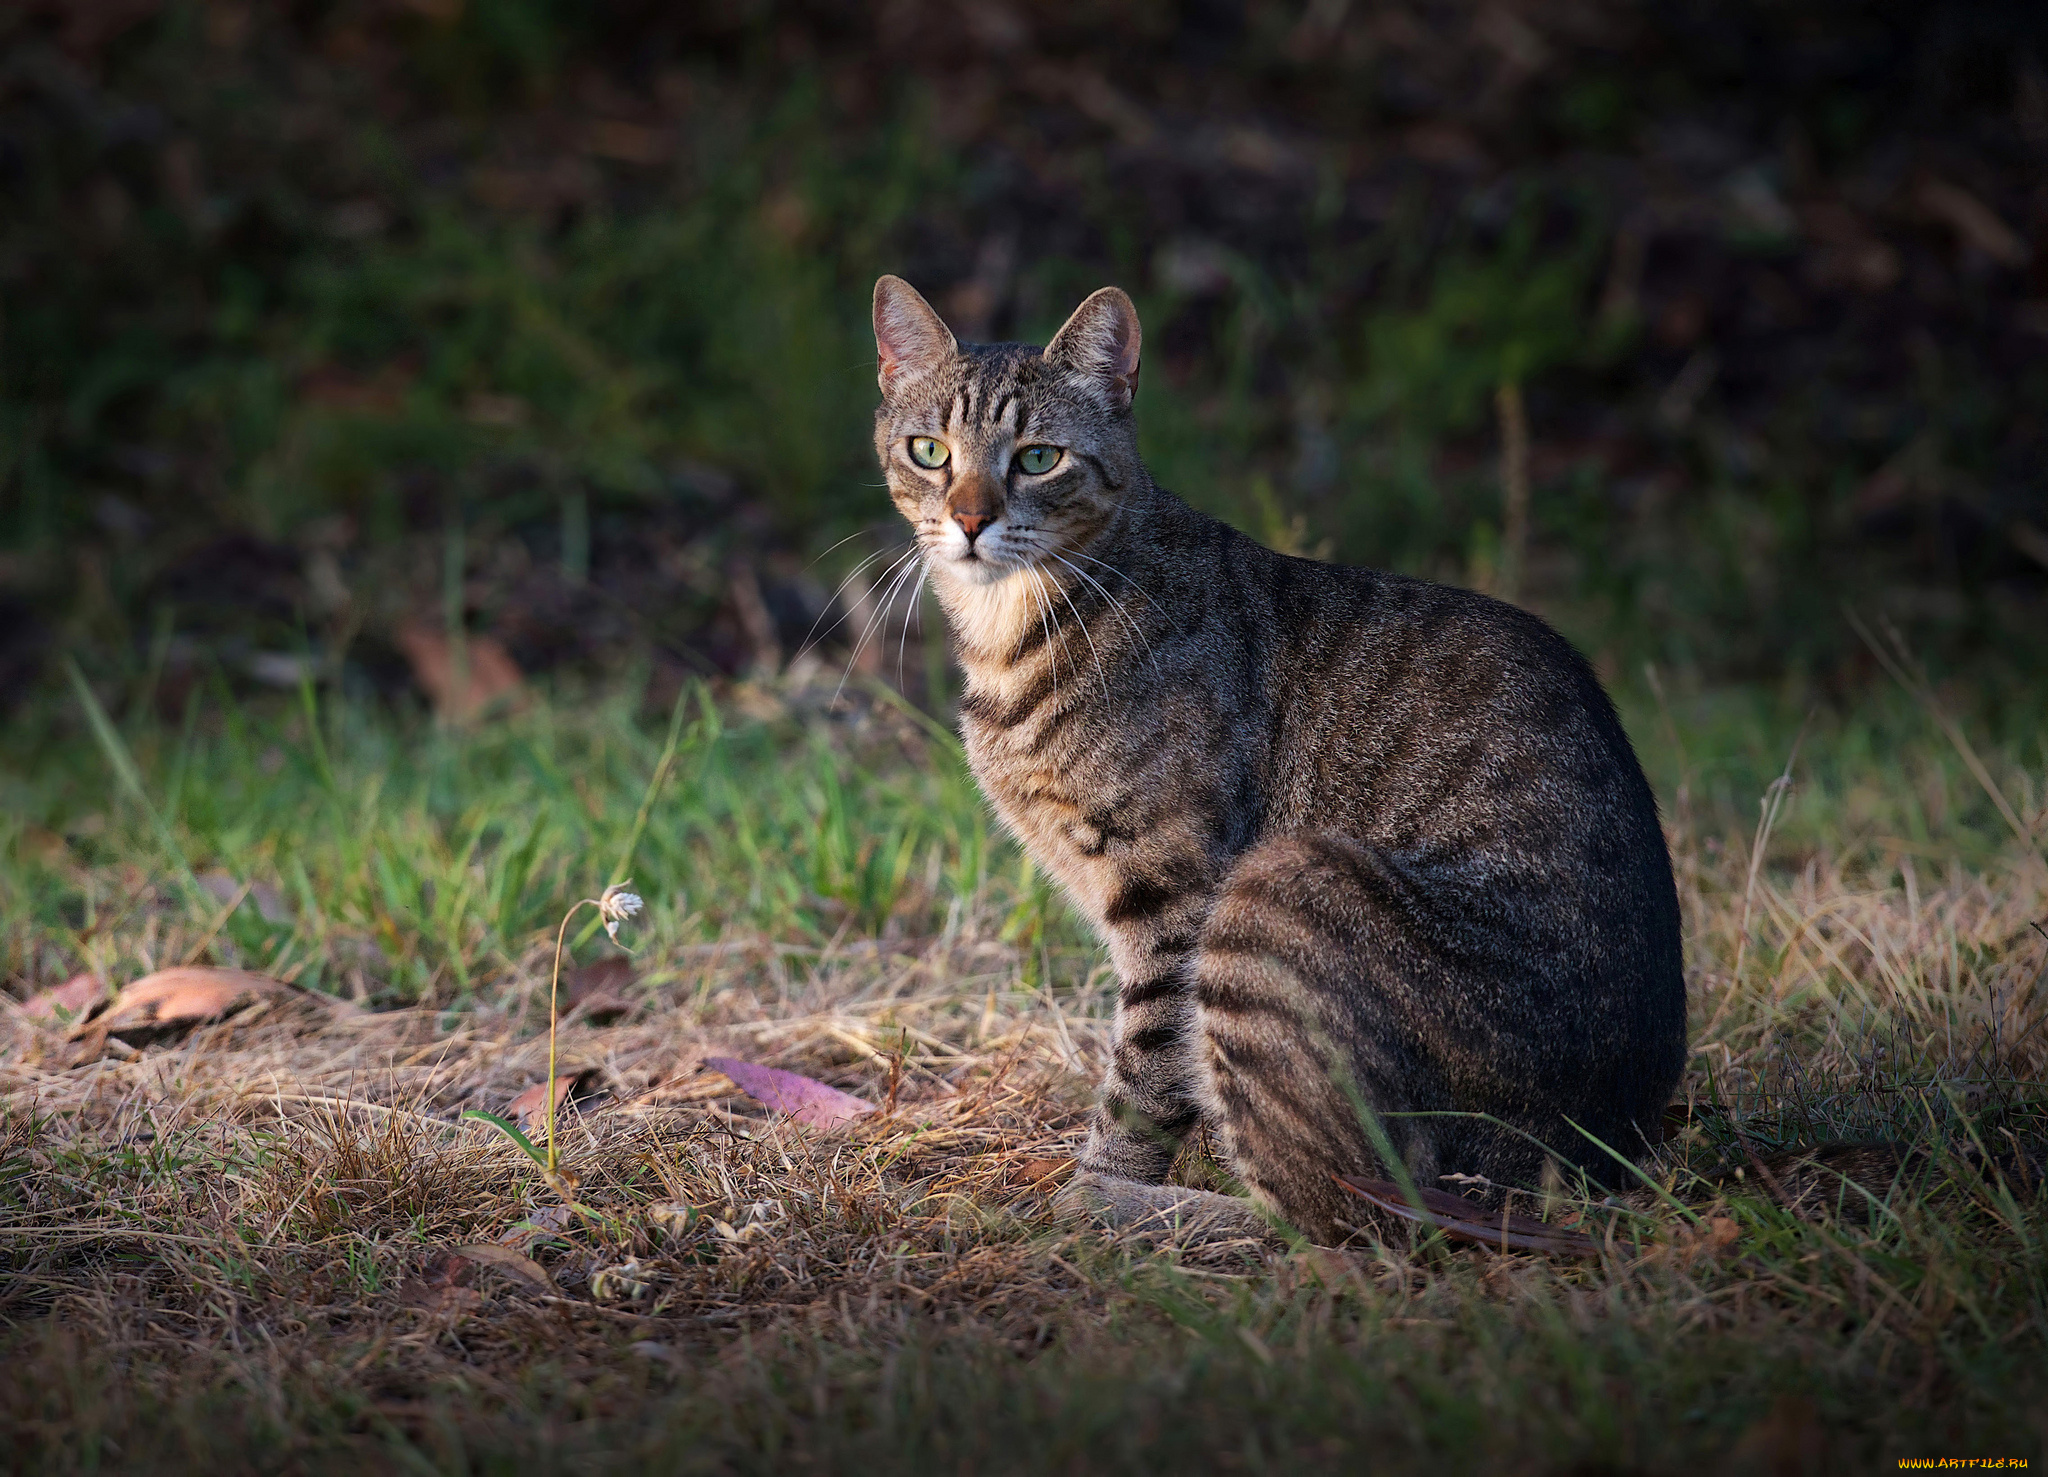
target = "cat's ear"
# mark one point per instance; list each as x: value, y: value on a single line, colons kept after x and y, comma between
x: 1101, y: 343
x: 909, y: 337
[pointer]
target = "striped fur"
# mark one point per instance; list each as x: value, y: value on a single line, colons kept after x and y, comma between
x: 1357, y: 845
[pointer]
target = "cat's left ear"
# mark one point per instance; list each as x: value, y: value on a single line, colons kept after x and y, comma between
x: 1101, y: 342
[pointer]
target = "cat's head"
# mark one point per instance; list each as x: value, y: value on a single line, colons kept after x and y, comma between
x: 1005, y: 455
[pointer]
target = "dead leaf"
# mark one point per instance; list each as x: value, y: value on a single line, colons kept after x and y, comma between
x: 44, y: 845
x: 1446, y: 146
x: 442, y: 1289
x: 803, y: 1098
x: 692, y: 1082
x: 1975, y: 223
x: 514, y: 1264
x: 1462, y: 1220
x: 545, y: 1221
x: 598, y: 989
x: 431, y: 1297
x: 1032, y: 1171
x: 629, y: 143
x: 529, y: 1109
x: 72, y: 1001
x: 383, y: 393
x: 491, y: 679
x: 1716, y: 1237
x: 188, y: 995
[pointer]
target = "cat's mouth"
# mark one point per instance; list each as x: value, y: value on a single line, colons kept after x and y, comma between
x: 981, y: 566
x: 985, y: 560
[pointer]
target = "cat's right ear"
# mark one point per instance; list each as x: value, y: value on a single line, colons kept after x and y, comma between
x: 909, y: 337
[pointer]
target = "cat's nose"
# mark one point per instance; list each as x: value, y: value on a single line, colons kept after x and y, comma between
x: 974, y: 502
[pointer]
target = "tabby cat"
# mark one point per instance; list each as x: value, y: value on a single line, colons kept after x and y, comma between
x: 1372, y: 857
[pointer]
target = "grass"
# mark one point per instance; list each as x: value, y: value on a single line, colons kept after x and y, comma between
x: 233, y: 1252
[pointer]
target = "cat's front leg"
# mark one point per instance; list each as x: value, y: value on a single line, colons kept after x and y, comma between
x: 1147, y: 1103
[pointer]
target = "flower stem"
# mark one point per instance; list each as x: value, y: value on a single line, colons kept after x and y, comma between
x: 554, y: 1017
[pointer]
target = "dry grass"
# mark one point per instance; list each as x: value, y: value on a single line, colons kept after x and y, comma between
x: 236, y: 1249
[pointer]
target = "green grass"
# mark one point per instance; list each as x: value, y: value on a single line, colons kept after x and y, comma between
x: 448, y: 853
x: 451, y: 851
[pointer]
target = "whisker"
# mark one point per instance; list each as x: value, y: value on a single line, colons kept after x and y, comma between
x: 1048, y: 584
x: 903, y: 568
x: 814, y: 635
x: 857, y: 533
x: 917, y: 609
x: 1115, y: 605
x: 1100, y: 670
x: 1046, y: 626
x: 1125, y: 577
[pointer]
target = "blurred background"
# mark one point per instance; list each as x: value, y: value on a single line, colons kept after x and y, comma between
x: 367, y: 344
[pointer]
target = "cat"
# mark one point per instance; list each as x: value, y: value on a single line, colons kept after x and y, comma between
x: 1374, y: 861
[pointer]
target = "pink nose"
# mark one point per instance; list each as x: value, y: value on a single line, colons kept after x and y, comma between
x: 972, y: 524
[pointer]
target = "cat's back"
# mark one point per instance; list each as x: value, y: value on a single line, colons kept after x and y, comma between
x: 1427, y: 717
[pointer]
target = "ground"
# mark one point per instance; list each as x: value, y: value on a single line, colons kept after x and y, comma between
x: 235, y: 1247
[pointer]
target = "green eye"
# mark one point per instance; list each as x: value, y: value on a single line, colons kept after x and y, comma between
x: 1037, y: 459
x: 928, y: 453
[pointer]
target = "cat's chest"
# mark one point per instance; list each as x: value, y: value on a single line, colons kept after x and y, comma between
x: 1070, y: 812
x: 1104, y: 815
x: 1059, y: 802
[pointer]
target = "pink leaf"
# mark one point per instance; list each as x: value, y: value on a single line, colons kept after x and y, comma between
x: 68, y: 1002
x: 805, y: 1100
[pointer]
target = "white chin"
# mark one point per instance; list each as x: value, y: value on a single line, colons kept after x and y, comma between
x: 977, y: 570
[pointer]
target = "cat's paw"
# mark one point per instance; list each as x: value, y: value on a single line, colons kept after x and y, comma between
x: 1160, y: 1214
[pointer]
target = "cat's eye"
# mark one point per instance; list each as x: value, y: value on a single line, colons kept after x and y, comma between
x: 928, y: 452
x: 1038, y: 459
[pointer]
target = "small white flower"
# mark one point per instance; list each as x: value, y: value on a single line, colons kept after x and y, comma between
x: 618, y: 906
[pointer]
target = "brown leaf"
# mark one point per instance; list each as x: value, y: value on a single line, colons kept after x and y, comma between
x: 598, y: 988
x: 693, y: 1082
x: 64, y: 1004
x: 1031, y: 1171
x: 1975, y: 223
x: 334, y: 388
x: 432, y: 1297
x: 515, y: 1265
x: 1462, y: 1220
x: 629, y: 143
x: 490, y: 682
x: 546, y: 1220
x: 443, y: 1288
x: 530, y: 1107
x: 187, y: 995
